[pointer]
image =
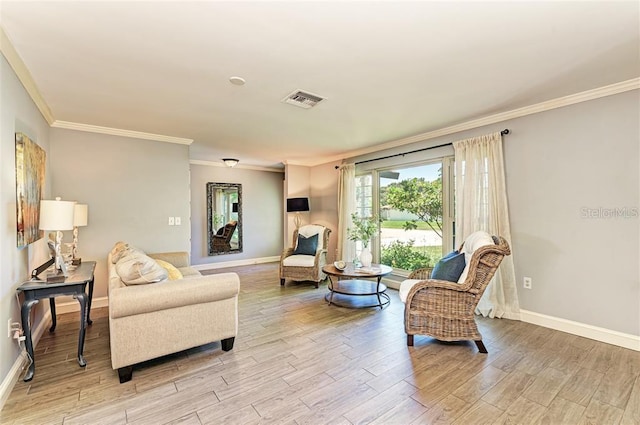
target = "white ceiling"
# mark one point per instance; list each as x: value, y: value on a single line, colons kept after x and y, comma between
x: 389, y: 70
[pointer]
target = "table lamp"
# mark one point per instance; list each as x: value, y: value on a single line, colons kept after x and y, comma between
x: 56, y: 216
x: 80, y: 218
x: 297, y: 205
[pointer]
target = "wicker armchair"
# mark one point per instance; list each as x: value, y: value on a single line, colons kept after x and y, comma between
x: 446, y: 310
x: 221, y: 241
x: 306, y: 267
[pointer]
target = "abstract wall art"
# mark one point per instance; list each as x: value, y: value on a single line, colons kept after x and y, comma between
x: 30, y: 169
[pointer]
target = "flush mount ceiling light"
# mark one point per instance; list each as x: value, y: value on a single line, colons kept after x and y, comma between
x: 230, y: 162
x: 238, y: 81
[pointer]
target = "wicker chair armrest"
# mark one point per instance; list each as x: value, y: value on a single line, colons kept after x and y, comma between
x: 286, y: 253
x: 422, y: 273
x: 444, y: 284
x: 435, y: 283
x: 319, y: 256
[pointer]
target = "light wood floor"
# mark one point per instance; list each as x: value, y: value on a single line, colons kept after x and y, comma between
x: 298, y: 361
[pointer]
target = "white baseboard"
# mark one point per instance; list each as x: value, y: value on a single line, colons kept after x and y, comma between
x: 73, y: 305
x: 608, y: 336
x: 10, y: 380
x: 235, y: 263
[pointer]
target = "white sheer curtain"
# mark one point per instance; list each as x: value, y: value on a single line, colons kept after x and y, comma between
x: 346, y: 205
x: 481, y: 204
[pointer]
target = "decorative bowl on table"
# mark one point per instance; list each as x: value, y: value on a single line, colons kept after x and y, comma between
x: 340, y: 265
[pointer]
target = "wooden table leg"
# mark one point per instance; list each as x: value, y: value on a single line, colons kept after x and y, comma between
x: 25, y: 312
x: 83, y: 311
x: 52, y: 306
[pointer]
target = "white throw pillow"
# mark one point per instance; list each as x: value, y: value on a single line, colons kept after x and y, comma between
x: 471, y: 244
x: 405, y: 287
x: 140, y: 269
x: 117, y: 250
x: 122, y: 249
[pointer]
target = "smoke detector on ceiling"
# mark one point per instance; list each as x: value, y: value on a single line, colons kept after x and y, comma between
x: 303, y: 99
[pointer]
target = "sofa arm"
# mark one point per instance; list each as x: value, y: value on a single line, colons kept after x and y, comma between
x: 179, y: 259
x: 131, y: 300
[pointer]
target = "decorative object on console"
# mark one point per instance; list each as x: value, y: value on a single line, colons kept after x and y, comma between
x: 298, y: 205
x: 80, y: 218
x: 56, y: 215
x: 30, y: 167
x: 230, y: 162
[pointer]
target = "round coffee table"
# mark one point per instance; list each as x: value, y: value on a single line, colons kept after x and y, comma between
x: 350, y: 287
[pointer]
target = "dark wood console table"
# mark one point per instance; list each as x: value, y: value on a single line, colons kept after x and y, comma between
x: 75, y: 284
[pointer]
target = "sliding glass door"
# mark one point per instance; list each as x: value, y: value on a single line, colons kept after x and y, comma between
x: 415, y: 205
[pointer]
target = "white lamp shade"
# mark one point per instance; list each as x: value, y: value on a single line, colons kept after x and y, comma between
x: 56, y: 215
x: 80, y: 215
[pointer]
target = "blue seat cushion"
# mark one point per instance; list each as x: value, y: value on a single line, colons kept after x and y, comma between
x: 306, y: 246
x: 450, y: 267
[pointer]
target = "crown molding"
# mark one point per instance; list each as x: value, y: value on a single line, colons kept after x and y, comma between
x: 240, y: 165
x: 18, y: 66
x: 120, y: 132
x: 585, y: 96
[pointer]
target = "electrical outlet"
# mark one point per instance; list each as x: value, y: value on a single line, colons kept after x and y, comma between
x: 12, y: 328
x: 526, y: 283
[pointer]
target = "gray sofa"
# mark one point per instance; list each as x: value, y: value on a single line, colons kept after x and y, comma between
x: 147, y: 321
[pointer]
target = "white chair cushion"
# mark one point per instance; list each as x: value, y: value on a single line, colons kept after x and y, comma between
x: 474, y: 241
x: 405, y: 287
x: 299, y: 261
x: 313, y: 229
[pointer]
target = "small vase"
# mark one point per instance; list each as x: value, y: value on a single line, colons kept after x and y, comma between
x: 366, y: 257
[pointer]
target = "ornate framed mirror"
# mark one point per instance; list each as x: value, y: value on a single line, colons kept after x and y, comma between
x: 224, y: 218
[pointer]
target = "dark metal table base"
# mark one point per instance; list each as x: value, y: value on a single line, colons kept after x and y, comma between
x: 357, y: 293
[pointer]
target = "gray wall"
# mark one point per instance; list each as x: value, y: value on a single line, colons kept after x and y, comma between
x: 132, y: 187
x: 559, y: 163
x: 17, y: 114
x: 262, y: 212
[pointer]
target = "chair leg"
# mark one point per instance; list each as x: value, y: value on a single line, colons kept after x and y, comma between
x: 409, y: 340
x: 281, y: 282
x: 481, y: 346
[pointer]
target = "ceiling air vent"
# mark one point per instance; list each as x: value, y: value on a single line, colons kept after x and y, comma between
x: 303, y: 99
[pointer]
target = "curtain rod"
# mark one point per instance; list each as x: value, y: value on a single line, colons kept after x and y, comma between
x: 503, y: 133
